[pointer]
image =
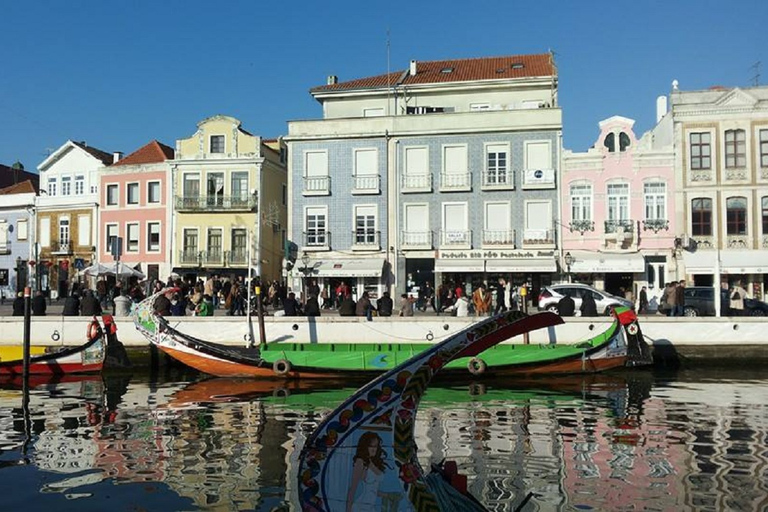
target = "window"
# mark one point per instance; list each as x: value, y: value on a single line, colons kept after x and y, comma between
x: 112, y: 235
x: 239, y: 186
x: 66, y: 185
x: 214, y: 244
x: 618, y: 201
x: 538, y: 222
x: 736, y: 215
x: 538, y: 155
x: 366, y: 169
x: 79, y: 185
x: 417, y: 230
x: 581, y: 202
x: 416, y: 168
x: 63, y: 231
x: 365, y: 225
x: 190, y: 240
x: 498, y: 219
x: 132, y: 193
x: 215, y: 188
x: 284, y: 194
x: 455, y: 168
x: 701, y: 217
x: 610, y: 142
x: 623, y: 141
x: 316, y: 172
x: 22, y: 229
x: 45, y: 232
x: 764, y: 149
x: 217, y: 143
x: 497, y: 164
x: 735, y: 149
x: 316, y: 223
x: 51, y: 186
x: 455, y: 224
x: 84, y: 230
x: 112, y: 191
x: 153, y: 192
x: 191, y: 186
x: 765, y: 215
x: 239, y: 245
x: 701, y: 151
x: 132, y: 234
x: 373, y: 112
x: 153, y: 237
x: 655, y: 201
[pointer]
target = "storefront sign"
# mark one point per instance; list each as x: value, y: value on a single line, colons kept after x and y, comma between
x: 493, y: 254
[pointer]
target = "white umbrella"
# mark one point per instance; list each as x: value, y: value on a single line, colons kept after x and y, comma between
x: 120, y: 269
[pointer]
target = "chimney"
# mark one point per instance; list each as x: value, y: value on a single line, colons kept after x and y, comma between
x: 332, y: 80
x: 412, y: 71
x: 116, y: 157
x: 661, y: 107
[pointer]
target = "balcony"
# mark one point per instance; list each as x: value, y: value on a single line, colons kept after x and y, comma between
x: 317, y: 240
x: 539, y: 178
x: 655, y: 225
x: 217, y: 203
x: 582, y: 226
x: 411, y: 183
x: 190, y: 257
x: 738, y: 242
x: 212, y: 257
x: 619, y: 226
x: 505, y: 239
x: 235, y: 257
x: 450, y: 182
x: 456, y: 238
x: 543, y: 238
x: 416, y: 240
x: 317, y: 186
x: 619, y: 234
x: 498, y: 180
x: 61, y: 247
x: 366, y: 240
x: 366, y: 184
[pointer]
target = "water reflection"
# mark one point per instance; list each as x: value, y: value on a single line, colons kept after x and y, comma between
x: 629, y: 441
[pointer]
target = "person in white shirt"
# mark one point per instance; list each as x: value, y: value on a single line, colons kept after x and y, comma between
x: 123, y: 304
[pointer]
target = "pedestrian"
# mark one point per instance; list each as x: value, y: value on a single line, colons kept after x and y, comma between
x: 643, y: 306
x: 385, y: 305
x: 364, y: 307
x: 123, y: 304
x: 162, y: 305
x: 501, y: 304
x: 205, y: 307
x: 738, y: 294
x: 90, y: 305
x: 566, y: 306
x: 312, y: 307
x: 325, y: 297
x: 669, y: 297
x: 429, y: 296
x: 72, y: 305
x: 38, y: 304
x: 346, y: 305
x: 178, y: 305
x: 462, y: 306
x: 18, y: 304
x: 291, y: 306
x: 478, y: 299
x: 680, y: 299
x: 406, y: 305
x: 588, y: 305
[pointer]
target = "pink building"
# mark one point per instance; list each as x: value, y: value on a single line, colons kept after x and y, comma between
x: 135, y: 207
x: 617, y: 202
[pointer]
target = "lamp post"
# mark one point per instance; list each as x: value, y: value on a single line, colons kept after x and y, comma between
x: 19, y: 284
x: 305, y: 270
x: 568, y: 262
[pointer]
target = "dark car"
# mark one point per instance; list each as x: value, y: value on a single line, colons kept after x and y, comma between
x: 700, y: 301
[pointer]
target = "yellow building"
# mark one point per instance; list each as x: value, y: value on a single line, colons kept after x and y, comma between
x: 229, y: 187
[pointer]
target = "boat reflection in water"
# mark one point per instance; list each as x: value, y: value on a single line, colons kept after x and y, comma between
x: 602, y: 442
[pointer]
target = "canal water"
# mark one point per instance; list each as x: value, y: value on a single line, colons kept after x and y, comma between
x: 694, y: 440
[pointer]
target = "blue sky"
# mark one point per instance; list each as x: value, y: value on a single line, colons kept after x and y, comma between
x: 119, y: 74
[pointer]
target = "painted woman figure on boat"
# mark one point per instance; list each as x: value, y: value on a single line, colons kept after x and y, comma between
x: 368, y: 472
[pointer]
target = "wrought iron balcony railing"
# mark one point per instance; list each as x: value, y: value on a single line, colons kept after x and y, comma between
x: 455, y: 237
x: 236, y: 257
x: 505, y: 238
x: 623, y: 225
x: 582, y: 225
x: 498, y: 179
x: 317, y: 239
x: 61, y: 247
x: 416, y: 239
x: 416, y: 183
x: 362, y: 239
x: 190, y: 257
x: 212, y: 257
x: 655, y: 225
x: 538, y: 237
x: 449, y: 181
x: 216, y: 203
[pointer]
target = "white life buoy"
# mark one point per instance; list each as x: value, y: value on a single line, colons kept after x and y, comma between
x: 632, y: 329
x: 94, y: 330
x: 281, y: 367
x: 476, y: 366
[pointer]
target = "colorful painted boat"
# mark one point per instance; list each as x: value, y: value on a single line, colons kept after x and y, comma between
x: 363, y: 455
x: 621, y: 344
x: 86, y: 358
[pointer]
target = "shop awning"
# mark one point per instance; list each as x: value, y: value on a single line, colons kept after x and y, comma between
x: 735, y: 261
x: 586, y: 263
x: 521, y: 265
x: 363, y: 267
x: 460, y: 265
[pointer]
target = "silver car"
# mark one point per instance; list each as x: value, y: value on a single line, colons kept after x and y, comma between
x: 551, y: 295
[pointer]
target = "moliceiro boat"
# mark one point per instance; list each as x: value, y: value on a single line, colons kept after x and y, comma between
x: 621, y: 344
x: 86, y: 358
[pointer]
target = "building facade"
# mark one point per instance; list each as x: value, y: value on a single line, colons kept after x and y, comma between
x: 136, y: 208
x: 443, y: 172
x: 228, y: 188
x: 67, y: 228
x: 722, y: 171
x: 617, y: 203
x: 17, y: 259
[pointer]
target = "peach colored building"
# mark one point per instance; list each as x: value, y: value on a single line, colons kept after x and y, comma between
x: 135, y: 206
x: 617, y: 209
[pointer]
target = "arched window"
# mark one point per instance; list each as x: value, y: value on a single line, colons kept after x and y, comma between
x: 736, y: 215
x: 623, y: 141
x: 610, y: 142
x: 701, y: 216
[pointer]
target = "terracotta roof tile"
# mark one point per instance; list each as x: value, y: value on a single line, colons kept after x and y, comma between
x: 25, y: 187
x: 106, y: 158
x: 456, y: 70
x: 154, y: 152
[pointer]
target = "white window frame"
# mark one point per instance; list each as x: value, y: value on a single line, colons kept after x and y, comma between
x: 369, y: 235
x: 373, y: 112
x: 581, y: 203
x: 622, y: 208
x: 79, y: 184
x: 507, y: 236
x: 655, y: 201
x: 184, y: 233
x: 316, y: 183
x: 65, y: 226
x: 116, y: 188
x: 509, y: 181
x: 66, y: 185
x: 321, y: 234
x: 150, y: 225
x: 52, y: 182
x: 319, y: 152
x: 159, y: 192
x: 128, y: 240
x: 22, y: 229
x: 527, y: 144
x: 45, y: 232
x: 410, y: 239
x: 210, y: 144
x: 460, y: 181
x: 108, y: 235
x: 134, y: 185
x: 736, y: 130
x: 762, y: 147
x: 84, y: 235
x: 443, y: 207
x: 549, y: 229
x: 366, y: 179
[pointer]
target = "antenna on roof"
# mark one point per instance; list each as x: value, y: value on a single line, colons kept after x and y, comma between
x: 389, y: 86
x: 756, y: 76
x: 552, y: 93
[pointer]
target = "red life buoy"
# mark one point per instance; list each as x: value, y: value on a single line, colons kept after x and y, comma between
x: 94, y: 330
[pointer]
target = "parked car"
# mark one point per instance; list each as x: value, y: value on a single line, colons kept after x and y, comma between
x: 551, y: 295
x: 700, y: 301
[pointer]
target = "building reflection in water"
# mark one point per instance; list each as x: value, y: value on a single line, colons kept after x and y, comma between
x: 602, y: 443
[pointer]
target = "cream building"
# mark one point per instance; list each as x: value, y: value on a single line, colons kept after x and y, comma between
x: 228, y: 187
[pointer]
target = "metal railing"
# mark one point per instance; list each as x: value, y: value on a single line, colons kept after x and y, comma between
x: 212, y: 257
x: 655, y: 225
x: 498, y: 179
x: 582, y: 225
x: 624, y: 225
x: 538, y: 236
x: 207, y: 203
x: 455, y: 237
x: 413, y: 239
x: 367, y: 239
x: 419, y: 182
x: 317, y: 239
x: 189, y: 257
x: 369, y: 183
x: 449, y: 181
x: 236, y: 257
x: 62, y: 247
x: 494, y: 237
x: 317, y: 185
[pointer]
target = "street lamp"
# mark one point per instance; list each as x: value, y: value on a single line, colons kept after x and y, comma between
x: 568, y: 262
x: 19, y: 286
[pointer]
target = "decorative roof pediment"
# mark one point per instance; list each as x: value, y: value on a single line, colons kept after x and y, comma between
x: 617, y: 121
x: 736, y: 98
